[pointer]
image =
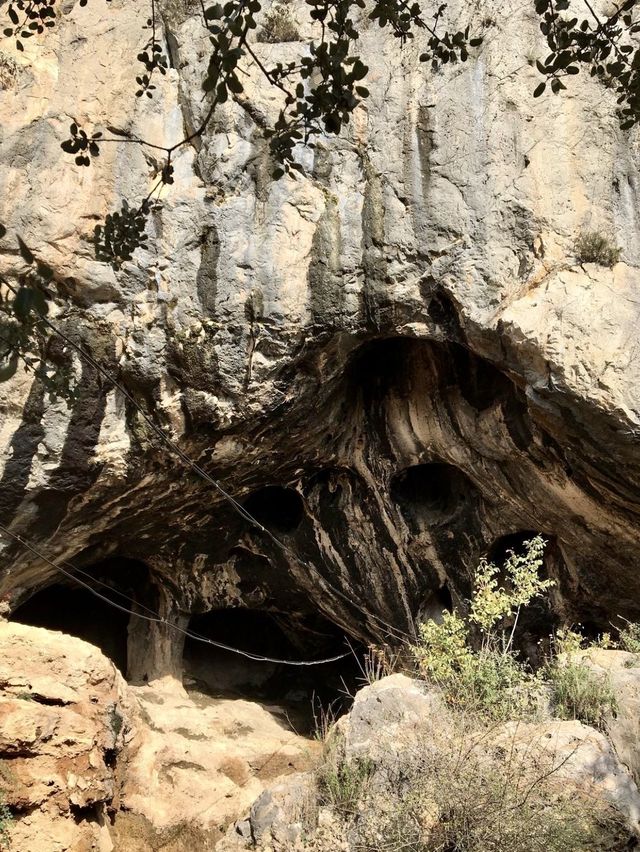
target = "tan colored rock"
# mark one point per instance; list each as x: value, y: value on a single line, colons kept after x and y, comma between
x: 89, y: 764
x: 402, y: 728
x: 202, y: 761
x: 622, y: 670
x: 65, y: 719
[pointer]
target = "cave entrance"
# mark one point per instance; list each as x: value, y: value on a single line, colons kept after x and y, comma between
x: 431, y: 494
x: 299, y: 693
x: 70, y: 608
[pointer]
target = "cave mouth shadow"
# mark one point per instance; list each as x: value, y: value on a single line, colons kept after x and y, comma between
x: 300, y: 696
x: 277, y: 508
x: 67, y: 607
x: 432, y: 493
x: 542, y: 617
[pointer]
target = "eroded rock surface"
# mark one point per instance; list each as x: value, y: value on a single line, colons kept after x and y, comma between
x: 401, y: 339
x: 88, y: 764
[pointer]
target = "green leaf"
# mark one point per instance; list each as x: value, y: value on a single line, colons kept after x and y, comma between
x: 539, y: 90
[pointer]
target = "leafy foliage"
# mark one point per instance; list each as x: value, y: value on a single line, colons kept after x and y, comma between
x: 81, y: 145
x: 29, y: 17
x: 320, y: 91
x: 492, y: 603
x: 605, y: 45
x: 152, y: 58
x: 629, y: 639
x: 490, y: 679
x: 122, y: 233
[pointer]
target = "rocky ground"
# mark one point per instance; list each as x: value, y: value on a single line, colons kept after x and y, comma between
x: 89, y: 764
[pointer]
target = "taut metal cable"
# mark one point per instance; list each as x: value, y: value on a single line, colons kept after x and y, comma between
x: 157, y: 618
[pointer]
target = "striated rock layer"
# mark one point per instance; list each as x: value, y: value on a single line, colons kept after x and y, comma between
x: 395, y: 358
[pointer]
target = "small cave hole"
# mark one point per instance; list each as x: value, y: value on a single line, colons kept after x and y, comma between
x: 276, y: 508
x: 70, y: 608
x: 435, y: 604
x: 500, y: 550
x: 481, y: 384
x: 298, y: 694
x: 430, y: 493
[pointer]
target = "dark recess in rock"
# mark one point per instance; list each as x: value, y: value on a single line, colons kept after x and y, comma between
x: 539, y: 620
x: 79, y: 613
x: 216, y: 671
x: 429, y: 494
x: 481, y: 383
x: 276, y: 508
x: 72, y: 609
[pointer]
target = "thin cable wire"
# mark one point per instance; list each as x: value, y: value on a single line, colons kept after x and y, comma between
x: 158, y: 619
x: 399, y: 634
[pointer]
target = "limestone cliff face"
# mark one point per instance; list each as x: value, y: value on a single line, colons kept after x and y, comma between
x: 399, y: 344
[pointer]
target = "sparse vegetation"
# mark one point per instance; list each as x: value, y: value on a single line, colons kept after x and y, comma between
x: 279, y: 25
x: 462, y: 790
x: 594, y: 247
x: 490, y: 679
x: 6, y: 818
x: 629, y: 639
x: 580, y: 693
x: 342, y: 781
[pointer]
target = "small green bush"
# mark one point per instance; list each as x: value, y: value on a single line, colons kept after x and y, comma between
x: 341, y: 782
x: 279, y: 25
x: 490, y: 679
x: 580, y: 693
x: 594, y: 247
x: 629, y: 639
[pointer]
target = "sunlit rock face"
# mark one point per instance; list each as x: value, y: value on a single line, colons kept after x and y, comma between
x: 395, y: 359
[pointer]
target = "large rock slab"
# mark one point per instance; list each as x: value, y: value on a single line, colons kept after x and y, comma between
x: 88, y: 764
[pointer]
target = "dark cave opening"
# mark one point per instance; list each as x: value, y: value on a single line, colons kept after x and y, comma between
x: 77, y: 612
x: 301, y: 692
x: 499, y: 551
x: 70, y: 608
x: 430, y: 493
x: 480, y: 382
x: 277, y: 508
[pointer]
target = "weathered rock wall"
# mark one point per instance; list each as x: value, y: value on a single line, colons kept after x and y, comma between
x: 402, y: 335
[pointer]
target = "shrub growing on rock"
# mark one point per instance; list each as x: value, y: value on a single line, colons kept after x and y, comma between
x: 579, y: 693
x: 491, y: 678
x: 463, y: 787
x: 279, y: 25
x: 629, y: 639
x: 594, y: 247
